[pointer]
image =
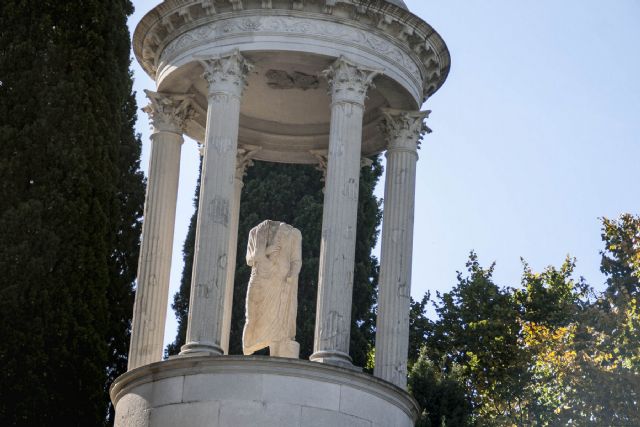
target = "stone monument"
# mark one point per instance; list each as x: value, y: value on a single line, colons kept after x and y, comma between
x: 274, y: 253
x: 320, y: 82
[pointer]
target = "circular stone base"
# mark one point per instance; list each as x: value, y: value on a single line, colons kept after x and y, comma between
x: 234, y: 391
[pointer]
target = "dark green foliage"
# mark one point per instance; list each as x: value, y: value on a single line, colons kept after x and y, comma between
x: 611, y: 390
x: 550, y: 353
x: 621, y: 257
x: 293, y: 194
x: 365, y: 281
x: 420, y: 327
x: 552, y: 298
x: 442, y: 395
x: 71, y: 198
x: 478, y: 329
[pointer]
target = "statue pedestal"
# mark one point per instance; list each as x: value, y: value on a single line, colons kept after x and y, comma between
x: 288, y: 348
x: 236, y: 391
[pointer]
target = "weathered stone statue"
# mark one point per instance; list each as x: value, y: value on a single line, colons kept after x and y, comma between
x: 274, y: 253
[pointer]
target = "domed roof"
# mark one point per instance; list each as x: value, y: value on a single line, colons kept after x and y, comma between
x: 398, y: 3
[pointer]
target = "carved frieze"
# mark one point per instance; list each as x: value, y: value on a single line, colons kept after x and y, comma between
x: 237, y: 4
x: 280, y: 79
x: 209, y: 6
x: 290, y: 26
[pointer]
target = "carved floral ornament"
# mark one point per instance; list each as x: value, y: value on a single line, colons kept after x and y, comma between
x: 288, y: 26
x: 404, y: 129
x: 226, y: 73
x: 169, y: 112
x: 349, y: 82
x: 322, y: 165
x: 322, y: 156
x: 244, y: 159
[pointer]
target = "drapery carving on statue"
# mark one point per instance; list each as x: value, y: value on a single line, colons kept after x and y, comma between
x: 274, y: 252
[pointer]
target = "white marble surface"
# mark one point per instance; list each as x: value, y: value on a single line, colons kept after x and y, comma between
x: 257, y: 391
x: 349, y: 84
x: 243, y: 161
x: 274, y: 253
x: 168, y: 114
x: 289, y: 119
x: 226, y: 77
x: 403, y: 130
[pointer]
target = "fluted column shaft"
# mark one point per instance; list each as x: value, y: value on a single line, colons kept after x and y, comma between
x: 243, y: 161
x: 403, y: 130
x: 226, y: 76
x: 348, y: 84
x: 168, y: 115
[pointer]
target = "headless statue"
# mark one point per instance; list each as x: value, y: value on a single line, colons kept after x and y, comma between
x: 274, y: 253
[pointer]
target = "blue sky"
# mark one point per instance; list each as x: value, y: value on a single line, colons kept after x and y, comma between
x: 536, y: 136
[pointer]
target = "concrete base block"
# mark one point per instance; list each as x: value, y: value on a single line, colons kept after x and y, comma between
x: 235, y: 391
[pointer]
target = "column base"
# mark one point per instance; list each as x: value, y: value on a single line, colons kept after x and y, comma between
x: 201, y: 349
x: 334, y: 358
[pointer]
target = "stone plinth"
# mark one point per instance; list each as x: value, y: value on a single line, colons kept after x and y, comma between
x: 256, y: 391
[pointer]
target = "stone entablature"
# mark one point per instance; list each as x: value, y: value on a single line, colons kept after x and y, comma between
x: 372, y: 26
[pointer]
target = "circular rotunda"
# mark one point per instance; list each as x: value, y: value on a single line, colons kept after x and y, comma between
x: 324, y: 82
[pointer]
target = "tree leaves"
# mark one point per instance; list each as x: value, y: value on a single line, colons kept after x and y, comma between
x: 71, y: 198
x: 551, y: 352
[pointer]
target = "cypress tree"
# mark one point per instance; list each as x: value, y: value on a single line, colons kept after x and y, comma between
x: 71, y: 197
x: 293, y: 194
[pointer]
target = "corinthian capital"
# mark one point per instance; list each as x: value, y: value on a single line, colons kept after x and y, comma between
x: 404, y: 129
x: 244, y: 159
x: 322, y: 156
x: 227, y: 73
x: 349, y: 82
x: 169, y: 112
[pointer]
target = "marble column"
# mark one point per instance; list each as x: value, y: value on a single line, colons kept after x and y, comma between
x: 403, y: 130
x: 169, y: 114
x: 226, y: 78
x: 322, y: 156
x: 348, y: 85
x: 243, y: 161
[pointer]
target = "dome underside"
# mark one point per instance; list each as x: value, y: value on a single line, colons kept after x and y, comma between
x: 285, y: 109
